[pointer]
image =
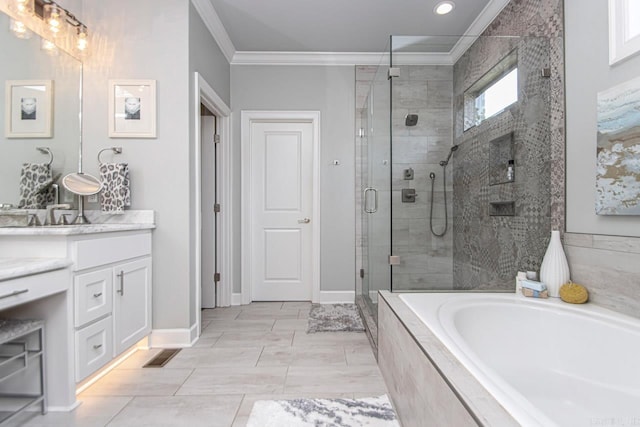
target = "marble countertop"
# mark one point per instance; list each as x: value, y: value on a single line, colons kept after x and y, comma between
x: 69, y: 230
x: 11, y: 268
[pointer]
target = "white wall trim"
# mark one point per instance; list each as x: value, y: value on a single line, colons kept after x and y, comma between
x: 211, y: 19
x: 477, y: 27
x: 216, y: 28
x: 204, y: 94
x: 247, y: 117
x: 236, y: 299
x: 170, y: 338
x: 337, y: 58
x: 337, y: 297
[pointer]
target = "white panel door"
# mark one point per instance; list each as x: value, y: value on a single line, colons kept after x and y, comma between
x: 282, y: 203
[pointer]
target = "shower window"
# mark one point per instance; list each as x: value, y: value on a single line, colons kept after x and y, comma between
x: 492, y: 93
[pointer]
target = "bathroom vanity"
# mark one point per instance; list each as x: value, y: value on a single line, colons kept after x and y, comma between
x: 91, y: 284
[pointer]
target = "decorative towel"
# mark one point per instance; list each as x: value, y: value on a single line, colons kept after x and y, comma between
x: 36, y: 191
x: 116, y: 192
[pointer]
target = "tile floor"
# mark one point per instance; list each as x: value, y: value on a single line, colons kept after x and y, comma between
x: 245, y: 353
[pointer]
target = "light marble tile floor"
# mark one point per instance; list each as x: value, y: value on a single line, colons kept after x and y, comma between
x: 245, y: 353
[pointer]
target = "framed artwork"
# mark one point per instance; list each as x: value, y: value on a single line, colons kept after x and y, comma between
x: 28, y: 108
x: 132, y: 108
x: 624, y: 29
x: 618, y: 154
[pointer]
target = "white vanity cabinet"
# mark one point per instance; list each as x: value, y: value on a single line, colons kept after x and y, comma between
x: 112, y: 296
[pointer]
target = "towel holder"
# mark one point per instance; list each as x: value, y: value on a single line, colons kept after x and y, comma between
x: 116, y: 150
x: 46, y: 150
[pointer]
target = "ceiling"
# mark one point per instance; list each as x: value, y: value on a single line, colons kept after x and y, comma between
x: 337, y: 25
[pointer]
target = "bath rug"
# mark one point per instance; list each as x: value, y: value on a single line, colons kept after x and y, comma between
x: 334, y: 318
x: 366, y: 412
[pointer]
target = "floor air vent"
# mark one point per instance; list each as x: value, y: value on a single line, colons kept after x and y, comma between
x: 162, y: 358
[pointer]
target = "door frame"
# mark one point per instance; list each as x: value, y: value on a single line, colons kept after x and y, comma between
x: 204, y: 94
x: 247, y: 118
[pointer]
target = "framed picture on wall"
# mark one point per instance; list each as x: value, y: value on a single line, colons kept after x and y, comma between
x: 28, y: 108
x: 132, y: 108
x: 624, y: 29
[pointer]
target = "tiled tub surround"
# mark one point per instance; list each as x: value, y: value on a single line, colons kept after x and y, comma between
x: 609, y: 267
x: 427, y: 384
x: 504, y: 342
x: 489, y: 250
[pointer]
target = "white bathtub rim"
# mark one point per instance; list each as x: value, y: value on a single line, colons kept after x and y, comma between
x: 517, y: 405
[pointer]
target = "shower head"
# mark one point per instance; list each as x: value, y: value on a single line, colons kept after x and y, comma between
x: 411, y: 120
x: 446, y: 162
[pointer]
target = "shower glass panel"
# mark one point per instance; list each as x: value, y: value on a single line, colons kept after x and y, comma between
x: 375, y: 187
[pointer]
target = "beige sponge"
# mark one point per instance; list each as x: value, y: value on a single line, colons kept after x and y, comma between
x: 574, y: 293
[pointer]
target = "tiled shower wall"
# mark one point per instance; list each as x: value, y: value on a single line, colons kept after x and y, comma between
x: 489, y: 250
x: 425, y: 259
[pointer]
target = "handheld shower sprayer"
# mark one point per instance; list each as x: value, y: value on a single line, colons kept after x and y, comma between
x: 432, y: 176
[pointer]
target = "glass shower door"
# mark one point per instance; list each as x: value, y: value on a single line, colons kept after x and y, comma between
x: 376, y: 191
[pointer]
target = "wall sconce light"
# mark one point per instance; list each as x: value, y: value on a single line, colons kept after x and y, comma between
x: 49, y: 20
x: 20, y: 30
x: 82, y: 40
x: 22, y: 7
x: 49, y: 47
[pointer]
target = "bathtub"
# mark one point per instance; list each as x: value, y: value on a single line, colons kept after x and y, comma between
x: 545, y: 362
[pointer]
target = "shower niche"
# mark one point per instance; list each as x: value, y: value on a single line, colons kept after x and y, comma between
x: 501, y: 160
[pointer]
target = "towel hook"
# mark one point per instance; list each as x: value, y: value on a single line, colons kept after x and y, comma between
x: 46, y: 150
x: 116, y: 150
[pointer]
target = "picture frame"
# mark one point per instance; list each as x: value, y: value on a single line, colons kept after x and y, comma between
x: 624, y: 30
x: 132, y: 108
x: 28, y: 108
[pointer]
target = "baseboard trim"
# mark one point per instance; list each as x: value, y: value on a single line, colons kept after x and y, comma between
x: 236, y: 299
x: 337, y: 297
x: 60, y: 408
x: 171, y: 338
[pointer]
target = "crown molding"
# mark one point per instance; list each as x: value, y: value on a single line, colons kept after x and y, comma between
x: 477, y: 27
x: 214, y: 24
x: 337, y: 58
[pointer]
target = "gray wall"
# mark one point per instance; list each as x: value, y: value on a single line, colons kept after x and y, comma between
x: 598, y: 258
x: 588, y: 72
x: 330, y: 90
x: 206, y: 58
x: 148, y: 39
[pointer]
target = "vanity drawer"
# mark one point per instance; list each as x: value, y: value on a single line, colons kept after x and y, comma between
x: 24, y: 289
x: 95, y: 252
x: 93, y: 296
x: 94, y: 347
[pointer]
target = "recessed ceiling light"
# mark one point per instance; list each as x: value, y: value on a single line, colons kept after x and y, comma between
x: 444, y: 7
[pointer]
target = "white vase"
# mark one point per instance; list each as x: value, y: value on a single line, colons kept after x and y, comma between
x: 554, y: 271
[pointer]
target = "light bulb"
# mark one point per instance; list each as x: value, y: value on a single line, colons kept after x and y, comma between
x: 54, y: 17
x: 49, y: 47
x: 19, y: 29
x: 82, y: 40
x: 22, y: 7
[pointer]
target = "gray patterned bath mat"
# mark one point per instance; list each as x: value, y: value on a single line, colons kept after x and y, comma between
x: 334, y: 318
x: 366, y: 412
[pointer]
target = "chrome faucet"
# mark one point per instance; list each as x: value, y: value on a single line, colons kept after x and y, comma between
x: 50, y: 219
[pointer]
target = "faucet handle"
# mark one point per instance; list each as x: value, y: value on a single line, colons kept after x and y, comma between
x: 64, y: 219
x: 34, y: 221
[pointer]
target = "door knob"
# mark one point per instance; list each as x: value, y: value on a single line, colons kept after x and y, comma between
x: 304, y: 221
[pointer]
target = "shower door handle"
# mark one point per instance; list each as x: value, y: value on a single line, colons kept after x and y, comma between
x: 375, y: 200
